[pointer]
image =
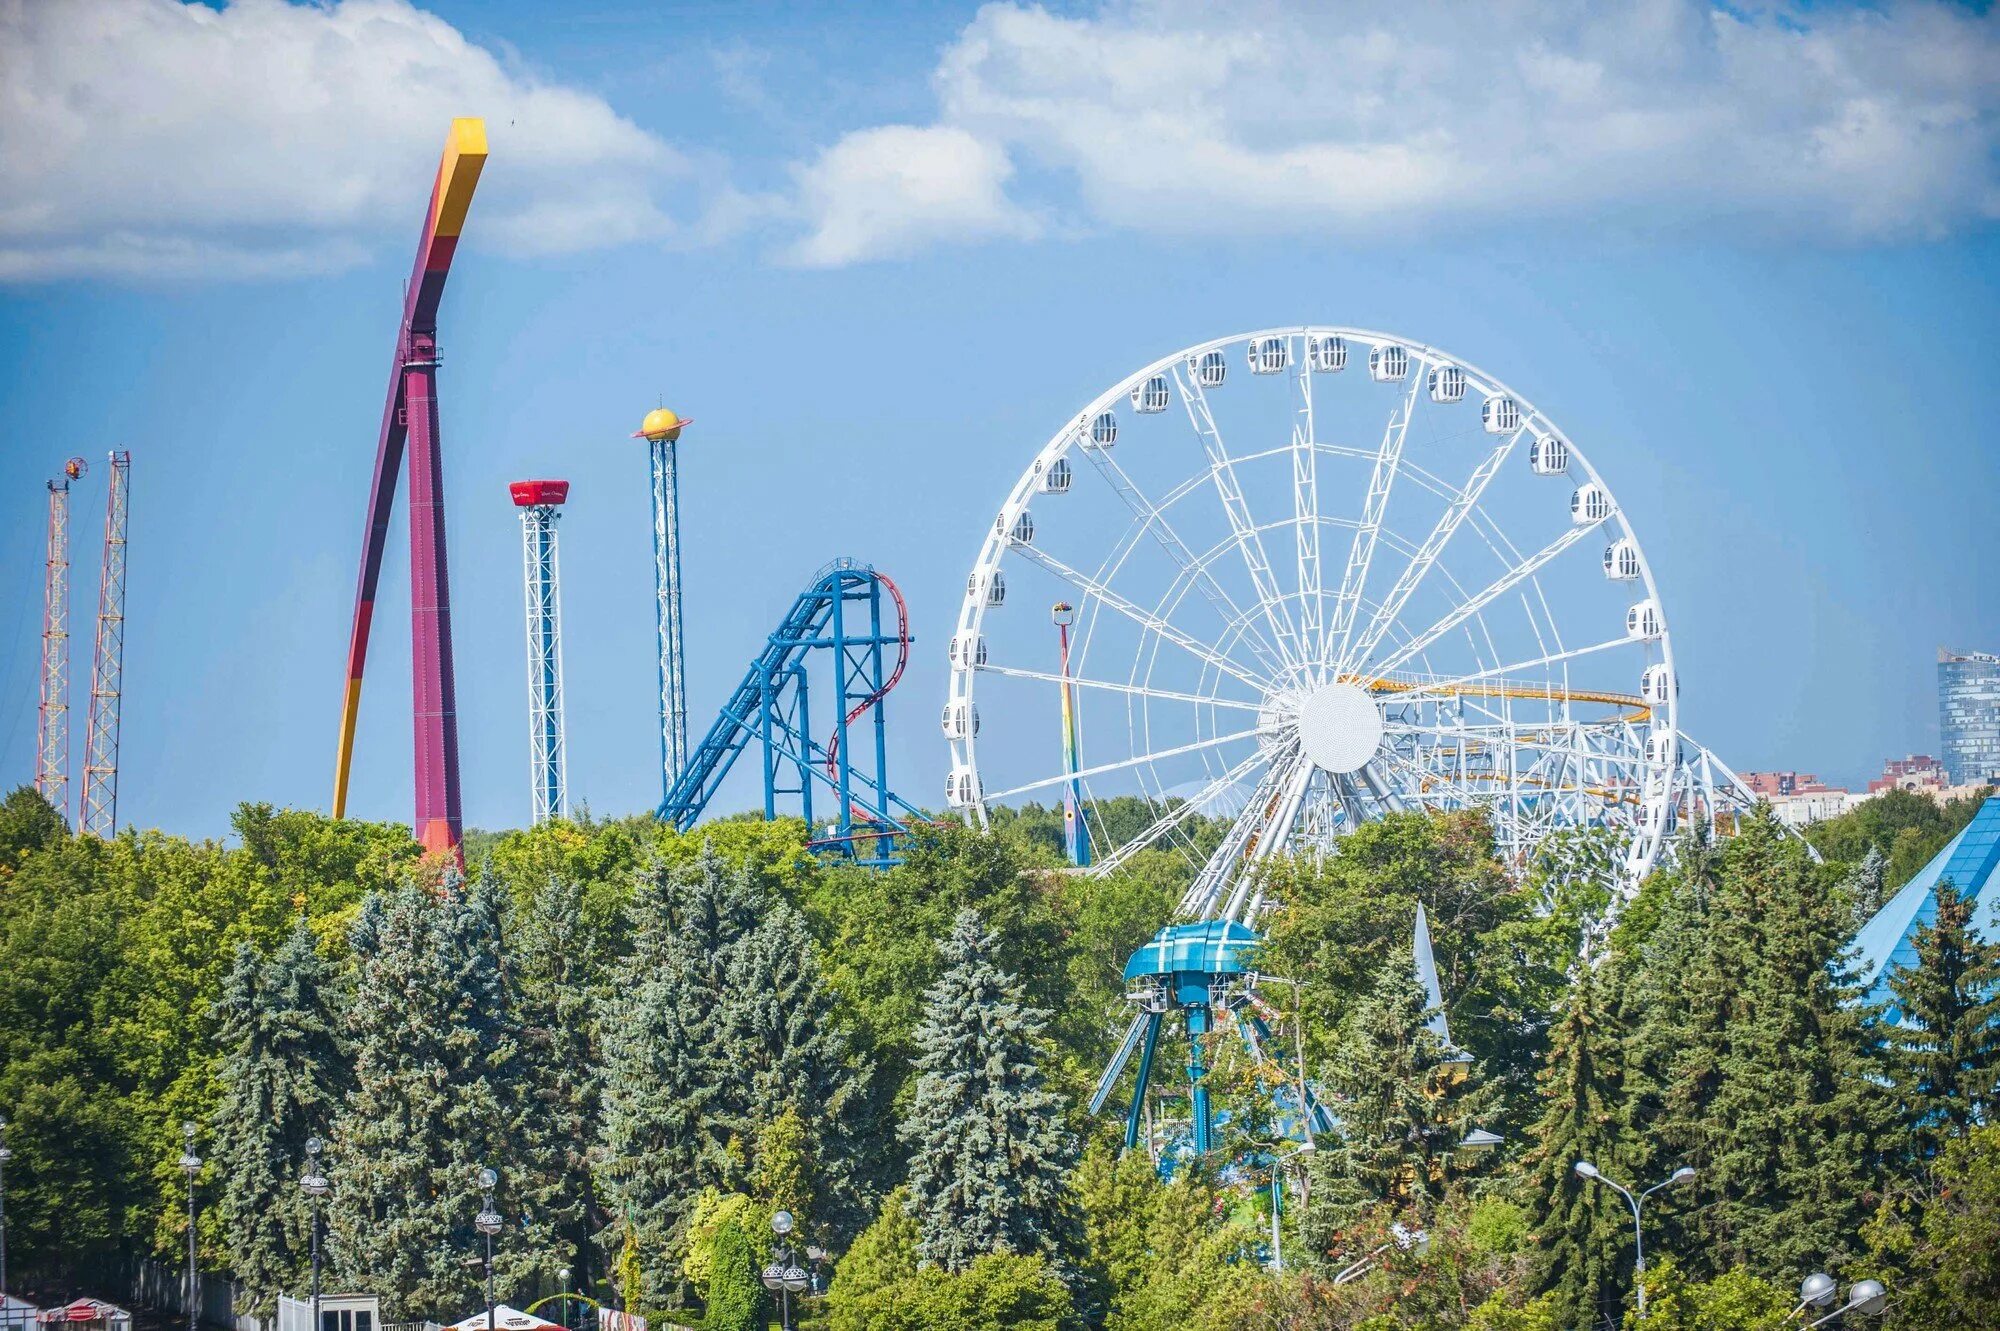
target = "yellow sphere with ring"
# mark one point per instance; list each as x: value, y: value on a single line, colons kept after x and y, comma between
x: 662, y: 425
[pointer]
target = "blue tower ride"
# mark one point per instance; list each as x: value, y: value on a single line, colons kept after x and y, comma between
x: 662, y: 432
x: 540, y: 503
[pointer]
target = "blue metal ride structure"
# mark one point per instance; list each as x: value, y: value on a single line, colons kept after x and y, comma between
x: 840, y: 612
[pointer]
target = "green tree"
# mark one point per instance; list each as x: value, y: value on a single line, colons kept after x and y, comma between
x: 885, y: 1253
x: 432, y: 1056
x: 1940, y: 1248
x: 1580, y: 1227
x: 28, y: 824
x: 1867, y: 886
x: 1750, y: 1048
x: 662, y: 1078
x: 998, y: 1291
x: 283, y: 1076
x: 1944, y: 1063
x: 735, y: 1294
x: 988, y: 1145
x: 556, y: 959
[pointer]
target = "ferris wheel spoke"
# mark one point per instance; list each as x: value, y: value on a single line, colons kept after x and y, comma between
x: 1361, y: 552
x: 1122, y: 764
x: 1305, y: 521
x: 1153, y: 519
x: 1090, y: 586
x: 1427, y: 554
x: 1480, y: 599
x: 1222, y: 470
x: 1175, y: 816
x: 1138, y: 690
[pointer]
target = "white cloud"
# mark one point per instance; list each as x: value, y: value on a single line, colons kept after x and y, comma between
x: 1845, y: 124
x: 151, y: 137
x: 891, y: 190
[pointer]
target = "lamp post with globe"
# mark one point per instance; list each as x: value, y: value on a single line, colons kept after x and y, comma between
x: 1584, y: 1169
x: 190, y: 1164
x: 314, y: 1185
x: 1816, y: 1291
x: 487, y: 1222
x: 562, y: 1278
x: 784, y: 1277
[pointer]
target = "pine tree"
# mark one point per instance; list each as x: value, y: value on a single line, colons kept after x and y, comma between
x: 1867, y: 887
x: 788, y: 1055
x: 1945, y: 1055
x: 735, y: 1296
x: 1394, y: 1095
x: 283, y: 1076
x: 554, y: 956
x: 431, y: 1046
x: 988, y: 1146
x: 665, y: 1117
x: 1581, y: 1227
x: 1776, y: 1110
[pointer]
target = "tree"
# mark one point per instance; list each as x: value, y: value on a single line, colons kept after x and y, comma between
x: 1943, y: 1247
x: 283, y: 1076
x: 28, y: 824
x: 1867, y: 886
x: 661, y: 1077
x: 1944, y: 1062
x: 998, y: 1291
x: 1580, y: 1226
x: 885, y: 1253
x: 555, y: 961
x: 1751, y: 1050
x: 988, y: 1147
x: 796, y: 1089
x: 432, y: 1053
x: 1393, y: 1092
x: 735, y: 1295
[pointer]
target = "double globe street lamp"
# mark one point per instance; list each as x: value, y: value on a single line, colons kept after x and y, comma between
x: 314, y: 1185
x: 487, y: 1222
x: 784, y: 1276
x: 1585, y: 1169
x: 1816, y: 1291
x: 191, y: 1165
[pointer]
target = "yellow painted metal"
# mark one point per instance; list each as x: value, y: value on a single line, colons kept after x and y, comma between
x: 458, y: 174
x: 350, y: 708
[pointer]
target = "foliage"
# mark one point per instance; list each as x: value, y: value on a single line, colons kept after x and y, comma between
x: 885, y: 1253
x: 1905, y: 827
x: 1944, y: 1064
x: 988, y: 1146
x: 432, y: 1055
x: 995, y: 1292
x: 283, y: 1074
x: 735, y: 1294
x: 1733, y: 1301
x: 1939, y: 1244
x: 712, y: 1211
x: 1580, y: 1226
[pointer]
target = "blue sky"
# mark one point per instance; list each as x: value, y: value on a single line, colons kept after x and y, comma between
x: 1749, y: 263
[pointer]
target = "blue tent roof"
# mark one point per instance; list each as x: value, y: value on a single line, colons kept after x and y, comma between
x: 1968, y: 861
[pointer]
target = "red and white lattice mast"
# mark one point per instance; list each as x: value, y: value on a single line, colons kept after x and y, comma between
x: 107, y: 675
x: 52, y: 730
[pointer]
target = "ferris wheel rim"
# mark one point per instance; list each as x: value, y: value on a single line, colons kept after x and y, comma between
x: 1422, y: 357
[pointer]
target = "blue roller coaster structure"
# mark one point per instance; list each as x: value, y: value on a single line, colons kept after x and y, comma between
x: 841, y: 612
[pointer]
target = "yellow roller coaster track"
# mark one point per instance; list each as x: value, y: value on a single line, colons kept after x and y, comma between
x: 1639, y: 709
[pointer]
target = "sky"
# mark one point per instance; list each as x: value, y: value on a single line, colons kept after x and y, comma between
x: 1748, y: 258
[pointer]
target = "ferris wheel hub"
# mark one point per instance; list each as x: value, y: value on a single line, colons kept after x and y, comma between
x: 1340, y: 727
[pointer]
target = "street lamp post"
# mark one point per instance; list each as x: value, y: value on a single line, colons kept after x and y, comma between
x: 1585, y: 1169
x: 1402, y: 1236
x: 562, y: 1278
x: 191, y: 1165
x: 5, y: 1156
x: 488, y: 1223
x: 784, y: 1276
x: 1867, y: 1297
x: 314, y: 1185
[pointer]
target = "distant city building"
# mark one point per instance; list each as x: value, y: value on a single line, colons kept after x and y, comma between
x: 1771, y: 785
x: 1919, y: 771
x: 1969, y: 715
x: 1811, y: 806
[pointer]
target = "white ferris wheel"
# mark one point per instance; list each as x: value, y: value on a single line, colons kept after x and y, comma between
x: 1301, y: 578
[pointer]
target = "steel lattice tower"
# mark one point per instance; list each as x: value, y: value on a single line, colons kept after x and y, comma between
x: 107, y: 675
x: 52, y: 732
x: 539, y: 502
x: 662, y: 432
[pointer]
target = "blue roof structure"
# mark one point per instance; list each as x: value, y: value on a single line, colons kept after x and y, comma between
x: 1968, y: 862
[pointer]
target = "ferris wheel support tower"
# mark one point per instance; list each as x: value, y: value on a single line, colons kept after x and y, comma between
x: 540, y: 503
x: 411, y: 416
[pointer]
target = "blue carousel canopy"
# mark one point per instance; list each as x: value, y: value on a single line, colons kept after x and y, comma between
x: 1968, y: 863
x: 1212, y: 947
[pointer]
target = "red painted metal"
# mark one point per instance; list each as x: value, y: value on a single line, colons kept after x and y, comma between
x: 529, y: 494
x: 410, y: 417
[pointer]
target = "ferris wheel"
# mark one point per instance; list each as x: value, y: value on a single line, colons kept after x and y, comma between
x: 1294, y: 580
